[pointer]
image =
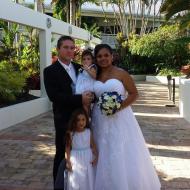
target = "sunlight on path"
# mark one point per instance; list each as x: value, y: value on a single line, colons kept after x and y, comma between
x: 27, y: 149
x: 167, y: 136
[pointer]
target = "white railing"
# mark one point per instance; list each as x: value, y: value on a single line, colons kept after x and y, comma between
x: 47, y: 25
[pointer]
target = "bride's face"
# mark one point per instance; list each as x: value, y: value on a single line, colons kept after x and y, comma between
x: 104, y: 58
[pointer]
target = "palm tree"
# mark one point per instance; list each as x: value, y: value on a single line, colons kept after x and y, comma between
x: 69, y: 10
x: 38, y: 5
x: 170, y: 7
x: 127, y: 23
x: 93, y: 30
x: 182, y: 7
x: 63, y: 10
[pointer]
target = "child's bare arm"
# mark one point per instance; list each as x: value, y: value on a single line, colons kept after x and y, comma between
x: 94, y: 150
x: 91, y: 71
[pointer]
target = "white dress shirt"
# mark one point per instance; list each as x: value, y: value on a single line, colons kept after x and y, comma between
x: 71, y: 72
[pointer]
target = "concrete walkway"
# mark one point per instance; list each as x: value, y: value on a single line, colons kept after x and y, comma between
x: 27, y: 149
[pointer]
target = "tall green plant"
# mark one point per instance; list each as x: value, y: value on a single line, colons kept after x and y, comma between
x: 94, y: 29
x: 9, y: 48
x: 30, y: 58
x: 165, y: 45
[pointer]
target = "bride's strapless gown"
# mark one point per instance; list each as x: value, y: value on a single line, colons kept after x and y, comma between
x: 124, y: 161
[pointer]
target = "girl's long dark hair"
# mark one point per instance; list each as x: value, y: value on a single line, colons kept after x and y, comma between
x: 73, y: 124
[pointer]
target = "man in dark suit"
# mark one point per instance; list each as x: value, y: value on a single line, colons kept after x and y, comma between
x: 59, y: 80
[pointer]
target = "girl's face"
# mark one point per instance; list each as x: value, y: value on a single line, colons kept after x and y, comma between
x: 86, y: 60
x: 81, y: 122
x: 104, y: 58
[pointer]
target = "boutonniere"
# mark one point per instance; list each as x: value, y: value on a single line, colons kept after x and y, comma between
x: 80, y: 70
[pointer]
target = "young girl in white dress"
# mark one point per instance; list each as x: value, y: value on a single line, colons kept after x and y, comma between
x: 81, y: 153
x: 87, y: 75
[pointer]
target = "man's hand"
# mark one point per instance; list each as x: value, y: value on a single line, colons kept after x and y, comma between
x: 87, y: 98
x: 69, y: 166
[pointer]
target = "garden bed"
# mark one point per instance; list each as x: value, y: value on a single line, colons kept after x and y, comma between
x: 22, y: 99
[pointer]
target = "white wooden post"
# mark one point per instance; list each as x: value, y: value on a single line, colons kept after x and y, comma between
x: 46, y: 25
x: 45, y: 55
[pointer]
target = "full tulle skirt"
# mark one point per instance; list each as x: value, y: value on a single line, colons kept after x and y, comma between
x: 124, y: 161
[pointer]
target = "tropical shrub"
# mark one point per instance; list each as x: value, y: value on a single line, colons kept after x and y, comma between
x: 172, y: 72
x: 93, y: 29
x: 8, y: 66
x: 8, y: 48
x: 166, y: 45
x: 29, y: 60
x: 11, y: 85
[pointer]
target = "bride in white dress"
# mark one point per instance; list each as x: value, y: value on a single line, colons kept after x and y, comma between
x: 124, y: 161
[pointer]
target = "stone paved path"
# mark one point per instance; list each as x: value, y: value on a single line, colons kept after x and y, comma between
x: 167, y: 136
x: 27, y: 149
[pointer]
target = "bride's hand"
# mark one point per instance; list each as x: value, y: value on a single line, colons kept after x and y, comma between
x: 122, y: 106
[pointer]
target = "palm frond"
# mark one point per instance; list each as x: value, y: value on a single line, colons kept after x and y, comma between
x: 170, y: 7
x: 184, y: 21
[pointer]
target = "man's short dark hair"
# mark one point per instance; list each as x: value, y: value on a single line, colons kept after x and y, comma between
x: 63, y: 38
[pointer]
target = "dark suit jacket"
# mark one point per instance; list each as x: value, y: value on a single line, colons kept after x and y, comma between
x: 58, y: 87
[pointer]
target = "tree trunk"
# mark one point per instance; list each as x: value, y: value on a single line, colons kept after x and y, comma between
x: 68, y: 11
x: 38, y: 6
x: 72, y: 12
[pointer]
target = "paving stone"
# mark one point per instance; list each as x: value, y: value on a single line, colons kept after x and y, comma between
x: 27, y: 149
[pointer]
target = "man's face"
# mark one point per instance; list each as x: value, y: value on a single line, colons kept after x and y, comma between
x: 66, y: 50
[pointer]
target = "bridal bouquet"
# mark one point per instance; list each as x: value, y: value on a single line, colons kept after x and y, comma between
x: 109, y: 102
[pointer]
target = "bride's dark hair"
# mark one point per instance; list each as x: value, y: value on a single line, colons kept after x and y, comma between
x: 101, y: 46
x: 97, y: 49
